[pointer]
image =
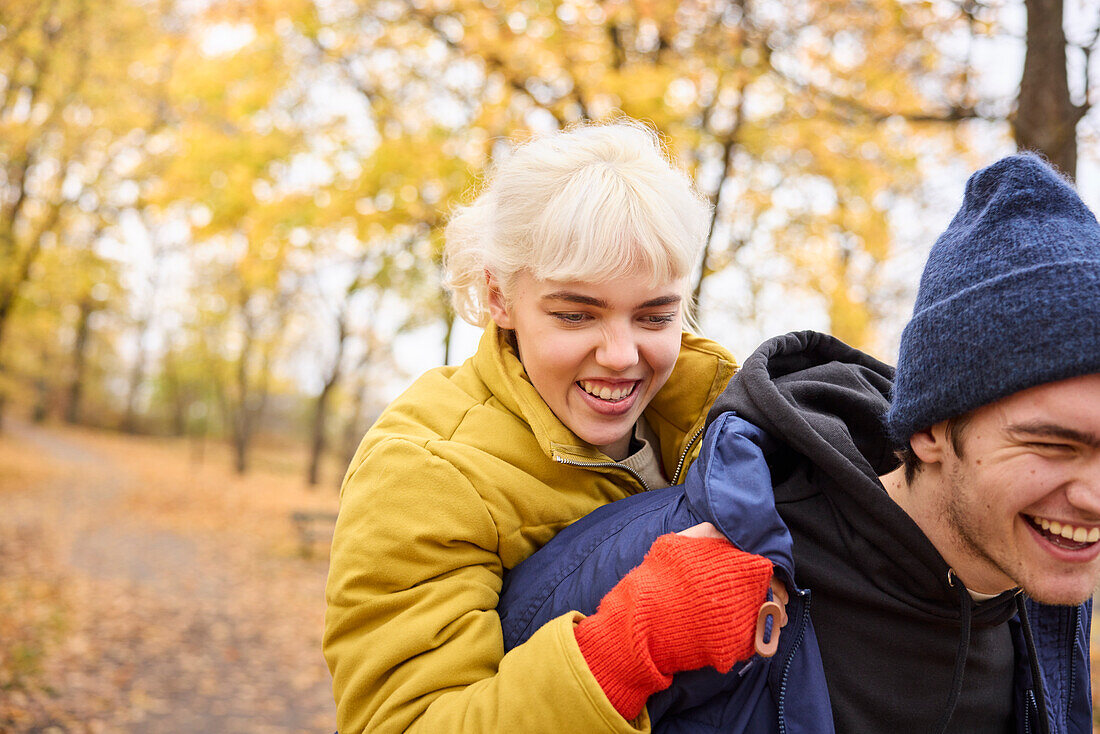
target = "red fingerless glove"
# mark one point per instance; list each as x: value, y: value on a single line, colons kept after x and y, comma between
x: 691, y: 603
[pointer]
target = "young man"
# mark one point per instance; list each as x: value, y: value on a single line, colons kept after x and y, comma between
x: 950, y: 593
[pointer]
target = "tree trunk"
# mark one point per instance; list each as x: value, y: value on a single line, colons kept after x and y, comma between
x: 241, y: 419
x: 1046, y: 118
x: 353, y: 430
x: 716, y: 202
x: 317, y: 444
x: 320, y: 414
x: 42, y: 392
x: 80, y: 353
x: 240, y: 446
x: 178, y: 395
x: 137, y: 377
x: 353, y: 436
x: 448, y: 333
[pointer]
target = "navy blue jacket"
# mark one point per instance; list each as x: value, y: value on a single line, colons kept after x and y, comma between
x: 731, y: 486
x: 586, y: 559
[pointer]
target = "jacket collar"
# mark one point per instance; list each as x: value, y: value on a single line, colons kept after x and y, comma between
x: 676, y: 414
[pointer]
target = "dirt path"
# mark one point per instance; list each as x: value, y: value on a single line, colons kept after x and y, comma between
x: 166, y: 631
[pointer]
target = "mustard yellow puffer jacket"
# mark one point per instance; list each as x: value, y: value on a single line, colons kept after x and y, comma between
x: 463, y: 476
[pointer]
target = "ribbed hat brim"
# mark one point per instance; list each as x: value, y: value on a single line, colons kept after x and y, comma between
x: 950, y: 345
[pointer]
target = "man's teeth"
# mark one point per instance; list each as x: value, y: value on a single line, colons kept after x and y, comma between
x: 607, y: 393
x: 1069, y: 532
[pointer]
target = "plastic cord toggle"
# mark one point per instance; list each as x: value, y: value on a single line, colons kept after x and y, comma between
x: 778, y: 616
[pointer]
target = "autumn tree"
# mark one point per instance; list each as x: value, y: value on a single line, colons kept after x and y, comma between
x: 368, y: 295
x: 70, y: 106
x: 232, y: 179
x: 762, y: 101
x: 92, y: 288
x: 301, y: 158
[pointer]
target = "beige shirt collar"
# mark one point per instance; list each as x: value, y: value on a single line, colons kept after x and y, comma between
x: 646, y: 461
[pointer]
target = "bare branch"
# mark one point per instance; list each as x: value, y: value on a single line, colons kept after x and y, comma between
x: 837, y: 103
x: 1087, y: 49
x: 493, y: 62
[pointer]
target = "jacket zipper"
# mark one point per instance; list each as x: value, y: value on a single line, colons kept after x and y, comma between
x: 805, y: 594
x: 687, y: 450
x: 1072, y: 657
x: 636, y: 475
x: 603, y: 465
x: 1031, y: 694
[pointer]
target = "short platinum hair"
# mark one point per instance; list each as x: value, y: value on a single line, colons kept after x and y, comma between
x: 588, y: 203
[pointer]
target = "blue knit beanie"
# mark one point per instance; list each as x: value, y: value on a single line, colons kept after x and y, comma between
x: 1009, y: 299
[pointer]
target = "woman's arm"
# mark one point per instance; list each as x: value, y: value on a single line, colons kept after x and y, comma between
x: 729, y: 486
x: 412, y: 635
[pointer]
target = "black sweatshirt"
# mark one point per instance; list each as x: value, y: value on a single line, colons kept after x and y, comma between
x: 905, y: 649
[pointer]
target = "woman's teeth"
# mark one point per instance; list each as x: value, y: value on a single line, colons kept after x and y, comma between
x: 1069, y: 532
x: 607, y: 393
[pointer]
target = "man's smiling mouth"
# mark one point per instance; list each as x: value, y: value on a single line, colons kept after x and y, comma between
x: 606, y: 393
x: 1064, y: 535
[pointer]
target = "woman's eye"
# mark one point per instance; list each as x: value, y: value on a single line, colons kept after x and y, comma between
x: 569, y: 317
x: 659, y: 319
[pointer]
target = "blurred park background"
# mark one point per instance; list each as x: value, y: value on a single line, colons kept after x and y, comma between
x: 220, y: 231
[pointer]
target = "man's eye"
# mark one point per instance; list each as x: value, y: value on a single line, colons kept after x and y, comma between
x: 1047, y: 446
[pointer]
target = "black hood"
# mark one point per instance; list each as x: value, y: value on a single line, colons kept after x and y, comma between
x: 881, y: 589
x: 827, y: 403
x: 824, y: 398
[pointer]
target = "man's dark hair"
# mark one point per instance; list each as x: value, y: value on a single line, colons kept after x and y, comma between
x: 956, y: 425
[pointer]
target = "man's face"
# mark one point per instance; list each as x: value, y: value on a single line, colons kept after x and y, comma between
x: 1021, y: 505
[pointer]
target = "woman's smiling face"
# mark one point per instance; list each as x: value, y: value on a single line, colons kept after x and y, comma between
x: 596, y: 352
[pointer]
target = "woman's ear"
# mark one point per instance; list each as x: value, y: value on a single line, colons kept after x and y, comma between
x: 497, y: 308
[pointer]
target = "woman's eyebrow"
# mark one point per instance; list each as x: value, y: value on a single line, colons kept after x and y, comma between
x: 661, y: 301
x: 1053, y: 430
x: 584, y: 300
x: 572, y: 297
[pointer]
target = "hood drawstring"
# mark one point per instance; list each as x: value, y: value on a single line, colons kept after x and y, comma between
x: 960, y: 655
x: 1036, y: 673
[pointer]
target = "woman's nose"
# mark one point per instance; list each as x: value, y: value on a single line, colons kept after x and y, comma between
x: 618, y: 351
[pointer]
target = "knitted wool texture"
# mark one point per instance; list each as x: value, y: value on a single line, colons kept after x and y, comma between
x: 1009, y: 299
x: 691, y: 603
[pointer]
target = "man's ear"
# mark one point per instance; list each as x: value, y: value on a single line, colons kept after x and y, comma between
x: 498, y: 310
x: 931, y: 444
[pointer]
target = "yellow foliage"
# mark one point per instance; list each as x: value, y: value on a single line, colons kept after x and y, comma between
x: 289, y: 137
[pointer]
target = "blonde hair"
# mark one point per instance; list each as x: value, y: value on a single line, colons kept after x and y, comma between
x: 589, y: 203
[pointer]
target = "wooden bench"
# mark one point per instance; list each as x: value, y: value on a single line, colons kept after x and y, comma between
x: 313, y: 528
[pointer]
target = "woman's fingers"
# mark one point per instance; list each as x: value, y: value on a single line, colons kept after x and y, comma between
x: 702, y: 530
x: 779, y: 591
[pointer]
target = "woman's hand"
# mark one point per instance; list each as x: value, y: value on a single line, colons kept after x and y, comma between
x: 696, y: 600
x: 702, y: 530
x: 779, y: 591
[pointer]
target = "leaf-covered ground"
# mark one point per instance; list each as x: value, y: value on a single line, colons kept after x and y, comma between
x: 145, y: 588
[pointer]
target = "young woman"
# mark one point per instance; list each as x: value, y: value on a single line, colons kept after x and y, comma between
x: 584, y: 389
